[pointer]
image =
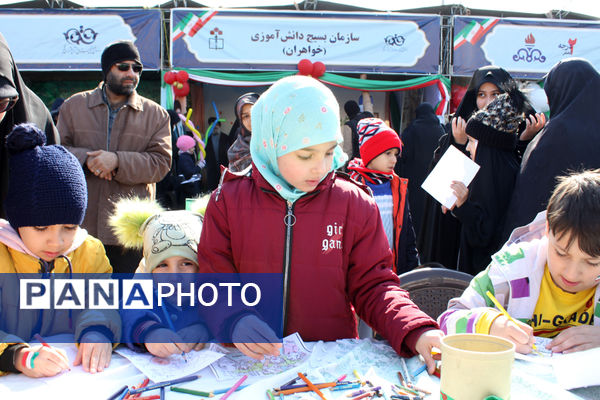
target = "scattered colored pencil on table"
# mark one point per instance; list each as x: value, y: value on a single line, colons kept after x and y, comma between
x: 165, y: 384
x: 137, y: 395
x: 234, y: 387
x: 310, y: 385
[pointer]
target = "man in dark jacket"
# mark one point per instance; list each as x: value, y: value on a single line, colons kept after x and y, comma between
x: 123, y: 142
x: 216, y: 154
x: 349, y: 129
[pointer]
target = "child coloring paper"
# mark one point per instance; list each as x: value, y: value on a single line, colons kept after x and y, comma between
x: 453, y: 166
x: 235, y: 363
x: 162, y: 369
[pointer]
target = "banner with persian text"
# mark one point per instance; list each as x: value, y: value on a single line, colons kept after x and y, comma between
x: 53, y: 39
x: 527, y: 48
x: 278, y: 40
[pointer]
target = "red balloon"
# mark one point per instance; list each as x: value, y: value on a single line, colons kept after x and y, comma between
x: 182, y: 76
x: 305, y: 66
x: 318, y: 69
x: 169, y: 77
x: 183, y: 91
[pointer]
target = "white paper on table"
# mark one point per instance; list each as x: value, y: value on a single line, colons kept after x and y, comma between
x: 453, y: 166
x: 173, y: 367
x: 541, y: 354
x: 577, y: 369
x: 235, y: 363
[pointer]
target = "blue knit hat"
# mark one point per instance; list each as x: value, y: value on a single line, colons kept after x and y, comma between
x: 46, y: 185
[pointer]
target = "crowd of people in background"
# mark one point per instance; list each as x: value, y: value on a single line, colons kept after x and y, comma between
x: 350, y: 193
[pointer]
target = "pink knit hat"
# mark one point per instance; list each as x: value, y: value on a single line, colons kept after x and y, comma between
x: 185, y: 142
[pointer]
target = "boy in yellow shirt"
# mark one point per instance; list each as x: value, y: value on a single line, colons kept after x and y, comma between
x: 546, y: 276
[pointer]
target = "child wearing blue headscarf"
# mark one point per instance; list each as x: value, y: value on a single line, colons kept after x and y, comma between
x: 294, y: 214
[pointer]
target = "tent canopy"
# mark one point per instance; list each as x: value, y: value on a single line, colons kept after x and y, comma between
x: 573, y: 9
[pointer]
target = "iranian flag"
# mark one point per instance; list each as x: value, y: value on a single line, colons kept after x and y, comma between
x: 192, y: 23
x: 474, y: 31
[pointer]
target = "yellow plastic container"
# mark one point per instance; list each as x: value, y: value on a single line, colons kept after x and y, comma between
x: 475, y: 366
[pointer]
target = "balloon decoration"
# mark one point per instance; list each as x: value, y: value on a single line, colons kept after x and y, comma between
x: 318, y: 69
x: 179, y: 81
x: 307, y: 67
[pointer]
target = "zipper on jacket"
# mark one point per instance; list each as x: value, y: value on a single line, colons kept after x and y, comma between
x: 289, y: 221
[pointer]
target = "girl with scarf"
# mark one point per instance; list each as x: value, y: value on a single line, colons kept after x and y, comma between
x: 380, y: 148
x: 439, y: 236
x: 239, y: 152
x: 296, y: 216
x: 492, y: 138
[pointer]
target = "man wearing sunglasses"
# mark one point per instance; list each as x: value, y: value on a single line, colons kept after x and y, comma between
x: 122, y: 140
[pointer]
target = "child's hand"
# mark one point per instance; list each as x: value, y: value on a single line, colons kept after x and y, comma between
x: 164, y: 342
x: 458, y: 130
x: 576, y: 338
x: 194, y: 335
x: 520, y: 334
x: 49, y: 362
x: 94, y: 352
x: 249, y: 330
x: 460, y: 191
x: 425, y: 344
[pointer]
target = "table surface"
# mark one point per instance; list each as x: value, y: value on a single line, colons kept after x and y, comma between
x: 77, y: 384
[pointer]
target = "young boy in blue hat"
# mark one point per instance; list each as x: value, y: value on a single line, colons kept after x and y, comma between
x: 45, y: 203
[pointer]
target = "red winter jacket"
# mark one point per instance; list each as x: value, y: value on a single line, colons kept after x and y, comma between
x: 338, y: 257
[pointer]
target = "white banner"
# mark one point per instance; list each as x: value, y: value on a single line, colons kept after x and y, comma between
x: 534, y: 48
x: 59, y: 39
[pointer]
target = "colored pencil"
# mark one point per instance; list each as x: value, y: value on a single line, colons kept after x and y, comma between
x: 305, y: 388
x: 303, y: 385
x: 346, y: 386
x: 234, y: 387
x: 40, y: 339
x: 165, y: 383
x: 407, y: 377
x: 270, y: 395
x: 171, y: 326
x: 419, y: 370
x: 162, y: 393
x: 401, y: 379
x: 364, y: 391
x: 141, y: 385
x: 119, y: 392
x: 363, y: 396
x: 221, y: 391
x: 407, y: 390
x: 418, y: 389
x: 191, y: 391
x: 290, y: 382
x: 123, y: 395
x: 503, y: 311
x: 152, y: 397
x: 310, y: 385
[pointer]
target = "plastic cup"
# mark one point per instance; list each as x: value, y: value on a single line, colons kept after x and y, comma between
x: 475, y: 366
